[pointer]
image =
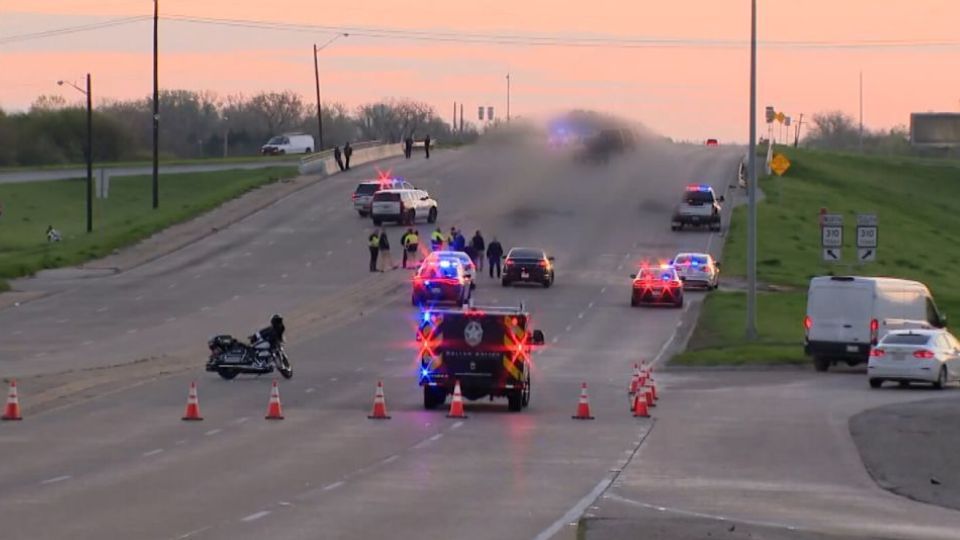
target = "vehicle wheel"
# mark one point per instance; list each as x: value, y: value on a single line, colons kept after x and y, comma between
x: 433, y: 397
x: 362, y: 213
x: 284, y: 367
x: 514, y: 401
x: 432, y: 216
x: 852, y: 362
x: 308, y: 150
x: 505, y: 282
x: 377, y: 222
x: 904, y: 384
x: 941, y: 381
x: 634, y: 302
x: 547, y: 282
x: 527, y: 390
x: 679, y: 304
x: 415, y: 301
x: 821, y: 364
x: 876, y: 383
x: 227, y: 374
x: 281, y: 152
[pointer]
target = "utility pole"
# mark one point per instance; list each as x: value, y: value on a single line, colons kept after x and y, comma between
x: 226, y: 136
x: 156, y: 110
x: 508, y: 98
x: 796, y: 140
x: 752, y: 184
x: 316, y: 76
x: 454, y: 124
x: 461, y: 118
x: 89, y: 156
x: 861, y: 112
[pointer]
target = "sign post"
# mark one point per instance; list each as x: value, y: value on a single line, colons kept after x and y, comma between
x: 831, y: 237
x: 867, y: 238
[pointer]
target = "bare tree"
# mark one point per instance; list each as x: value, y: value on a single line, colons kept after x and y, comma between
x: 279, y: 110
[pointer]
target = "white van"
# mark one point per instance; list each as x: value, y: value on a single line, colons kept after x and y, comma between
x: 288, y: 143
x: 846, y: 315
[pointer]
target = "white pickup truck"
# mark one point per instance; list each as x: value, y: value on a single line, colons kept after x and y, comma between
x: 699, y: 206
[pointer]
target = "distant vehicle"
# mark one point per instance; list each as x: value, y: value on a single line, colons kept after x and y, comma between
x: 657, y: 285
x: 363, y: 195
x: 289, y: 143
x: 403, y: 206
x: 699, y: 206
x: 486, y: 349
x: 846, y: 315
x: 713, y: 142
x: 906, y: 356
x: 469, y: 268
x: 606, y: 143
x: 697, y: 270
x: 443, y: 281
x: 528, y: 265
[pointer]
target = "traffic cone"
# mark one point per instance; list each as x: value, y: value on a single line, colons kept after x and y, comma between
x: 12, y: 410
x: 648, y: 396
x: 635, y: 380
x: 653, y: 389
x: 379, y: 405
x: 274, y: 410
x: 640, y: 406
x: 456, y: 406
x: 193, y: 404
x: 583, y: 408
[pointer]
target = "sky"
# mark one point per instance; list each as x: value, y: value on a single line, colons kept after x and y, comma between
x: 689, y: 80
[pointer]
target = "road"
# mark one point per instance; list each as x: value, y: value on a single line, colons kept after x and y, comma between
x: 45, y: 175
x: 105, y: 363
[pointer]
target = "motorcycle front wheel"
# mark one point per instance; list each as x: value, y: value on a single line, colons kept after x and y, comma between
x: 283, y: 366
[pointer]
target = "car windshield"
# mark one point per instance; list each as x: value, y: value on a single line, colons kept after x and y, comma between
x: 367, y: 189
x: 698, y: 197
x: 526, y: 254
x: 693, y: 260
x: 906, y: 339
x: 650, y: 274
x: 386, y: 197
x: 279, y: 139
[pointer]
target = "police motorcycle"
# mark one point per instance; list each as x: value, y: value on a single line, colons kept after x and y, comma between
x: 230, y: 357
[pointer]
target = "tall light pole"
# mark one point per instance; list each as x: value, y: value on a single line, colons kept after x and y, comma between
x: 861, y: 113
x: 226, y: 136
x: 316, y: 76
x: 752, y: 184
x: 89, y: 147
x: 156, y: 109
x: 508, y: 98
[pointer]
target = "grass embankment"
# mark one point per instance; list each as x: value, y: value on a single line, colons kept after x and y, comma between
x: 279, y: 161
x: 916, y: 204
x: 120, y: 220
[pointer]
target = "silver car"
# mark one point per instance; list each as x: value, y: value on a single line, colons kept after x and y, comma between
x: 906, y: 356
x: 697, y: 270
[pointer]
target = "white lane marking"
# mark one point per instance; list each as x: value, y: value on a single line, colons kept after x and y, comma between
x: 590, y: 305
x: 457, y: 425
x: 620, y: 267
x: 213, y: 431
x: 101, y: 310
x: 205, y: 308
x: 172, y: 285
x: 310, y: 390
x: 40, y: 354
x: 247, y: 253
x: 152, y: 452
x: 262, y: 285
x: 193, y: 533
x: 568, y: 328
x: 181, y: 442
x: 603, y: 290
x: 55, y: 480
x: 349, y: 241
x: 333, y: 486
x: 198, y: 276
x: 690, y: 513
x: 580, y: 315
x: 236, y: 297
x: 329, y: 253
x: 309, y: 264
x: 284, y: 503
x: 87, y: 343
x: 170, y: 319
x: 555, y: 339
x: 669, y: 341
x: 333, y: 379
x: 241, y: 420
x: 283, y: 276
x: 359, y: 369
x: 139, y: 298
x: 272, y: 242
x: 574, y: 513
x: 62, y: 321
x: 18, y: 332
x: 256, y: 516
x: 391, y: 459
x: 133, y: 331
x: 435, y: 437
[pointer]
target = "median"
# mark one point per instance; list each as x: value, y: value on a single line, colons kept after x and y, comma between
x: 914, y: 200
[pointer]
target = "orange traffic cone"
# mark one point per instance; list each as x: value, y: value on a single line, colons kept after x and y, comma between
x: 635, y: 381
x: 12, y: 410
x: 274, y: 411
x: 456, y: 406
x: 640, y: 406
x: 193, y: 404
x: 583, y: 408
x: 379, y: 405
x: 653, y: 388
x: 648, y: 396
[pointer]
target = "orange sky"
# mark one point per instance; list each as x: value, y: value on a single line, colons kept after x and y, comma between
x: 685, y: 92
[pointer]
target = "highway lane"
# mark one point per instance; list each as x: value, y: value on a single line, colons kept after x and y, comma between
x: 326, y: 470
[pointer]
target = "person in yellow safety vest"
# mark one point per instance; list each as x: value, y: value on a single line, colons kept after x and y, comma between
x: 411, y: 243
x: 436, y: 240
x: 374, y: 243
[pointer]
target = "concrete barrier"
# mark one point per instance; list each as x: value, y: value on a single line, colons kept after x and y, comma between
x: 325, y: 165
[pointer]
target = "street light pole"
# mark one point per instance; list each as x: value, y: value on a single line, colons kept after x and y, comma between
x: 156, y: 109
x: 508, y: 98
x: 89, y: 156
x: 316, y: 76
x: 752, y: 184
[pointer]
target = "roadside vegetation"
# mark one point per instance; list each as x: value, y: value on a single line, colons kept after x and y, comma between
x: 916, y: 204
x: 120, y: 220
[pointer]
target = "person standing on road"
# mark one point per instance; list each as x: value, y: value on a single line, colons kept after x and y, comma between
x: 408, y: 146
x: 373, y: 241
x: 494, y: 253
x: 459, y: 242
x: 479, y: 246
x: 436, y: 239
x: 411, y: 245
x: 386, y: 259
x: 347, y: 152
x: 426, y: 145
x: 338, y: 157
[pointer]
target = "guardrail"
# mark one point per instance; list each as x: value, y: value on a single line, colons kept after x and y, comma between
x: 323, y: 163
x: 359, y: 145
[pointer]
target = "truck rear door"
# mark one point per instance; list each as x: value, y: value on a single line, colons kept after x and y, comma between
x: 479, y: 349
x: 840, y: 312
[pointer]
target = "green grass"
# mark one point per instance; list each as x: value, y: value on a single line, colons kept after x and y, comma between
x: 123, y: 219
x: 916, y: 204
x: 281, y: 161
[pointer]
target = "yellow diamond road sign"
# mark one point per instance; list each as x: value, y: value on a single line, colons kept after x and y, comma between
x: 781, y: 117
x: 779, y: 164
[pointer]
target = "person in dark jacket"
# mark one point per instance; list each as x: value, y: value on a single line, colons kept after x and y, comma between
x: 459, y: 242
x: 426, y: 145
x: 408, y: 146
x: 374, y: 242
x: 479, y: 247
x: 337, y: 156
x: 494, y: 253
x: 347, y: 152
x: 386, y: 259
x: 272, y: 334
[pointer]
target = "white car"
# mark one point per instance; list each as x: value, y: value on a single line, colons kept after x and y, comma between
x: 288, y: 143
x: 363, y: 196
x: 469, y: 268
x: 697, y: 270
x: 402, y: 206
x: 905, y: 356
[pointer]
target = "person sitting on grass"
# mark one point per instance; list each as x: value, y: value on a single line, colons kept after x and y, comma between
x: 53, y: 235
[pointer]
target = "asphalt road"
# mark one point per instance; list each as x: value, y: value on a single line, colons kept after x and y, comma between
x: 45, y: 175
x: 104, y: 454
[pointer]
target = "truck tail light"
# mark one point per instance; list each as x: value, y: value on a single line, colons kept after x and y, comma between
x: 874, y: 331
x: 807, y: 323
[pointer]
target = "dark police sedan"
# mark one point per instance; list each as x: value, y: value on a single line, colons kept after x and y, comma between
x: 528, y: 265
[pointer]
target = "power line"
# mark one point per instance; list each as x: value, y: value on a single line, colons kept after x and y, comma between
x: 17, y: 38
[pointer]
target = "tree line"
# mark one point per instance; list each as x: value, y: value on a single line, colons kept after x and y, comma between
x: 201, y: 124
x: 836, y: 130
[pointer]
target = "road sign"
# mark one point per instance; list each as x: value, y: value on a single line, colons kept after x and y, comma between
x: 490, y: 113
x: 771, y: 115
x: 832, y: 254
x: 868, y: 237
x: 787, y: 122
x: 779, y: 164
x: 480, y: 112
x: 831, y: 233
x: 866, y: 254
x: 781, y: 117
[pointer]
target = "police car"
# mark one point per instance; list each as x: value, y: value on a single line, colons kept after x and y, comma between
x: 658, y: 285
x: 469, y: 268
x: 363, y: 196
x: 699, y: 206
x: 697, y: 270
x: 402, y: 206
x: 442, y: 281
x: 486, y: 349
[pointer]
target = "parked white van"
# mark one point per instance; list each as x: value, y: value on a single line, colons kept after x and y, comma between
x: 846, y: 315
x: 288, y: 143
